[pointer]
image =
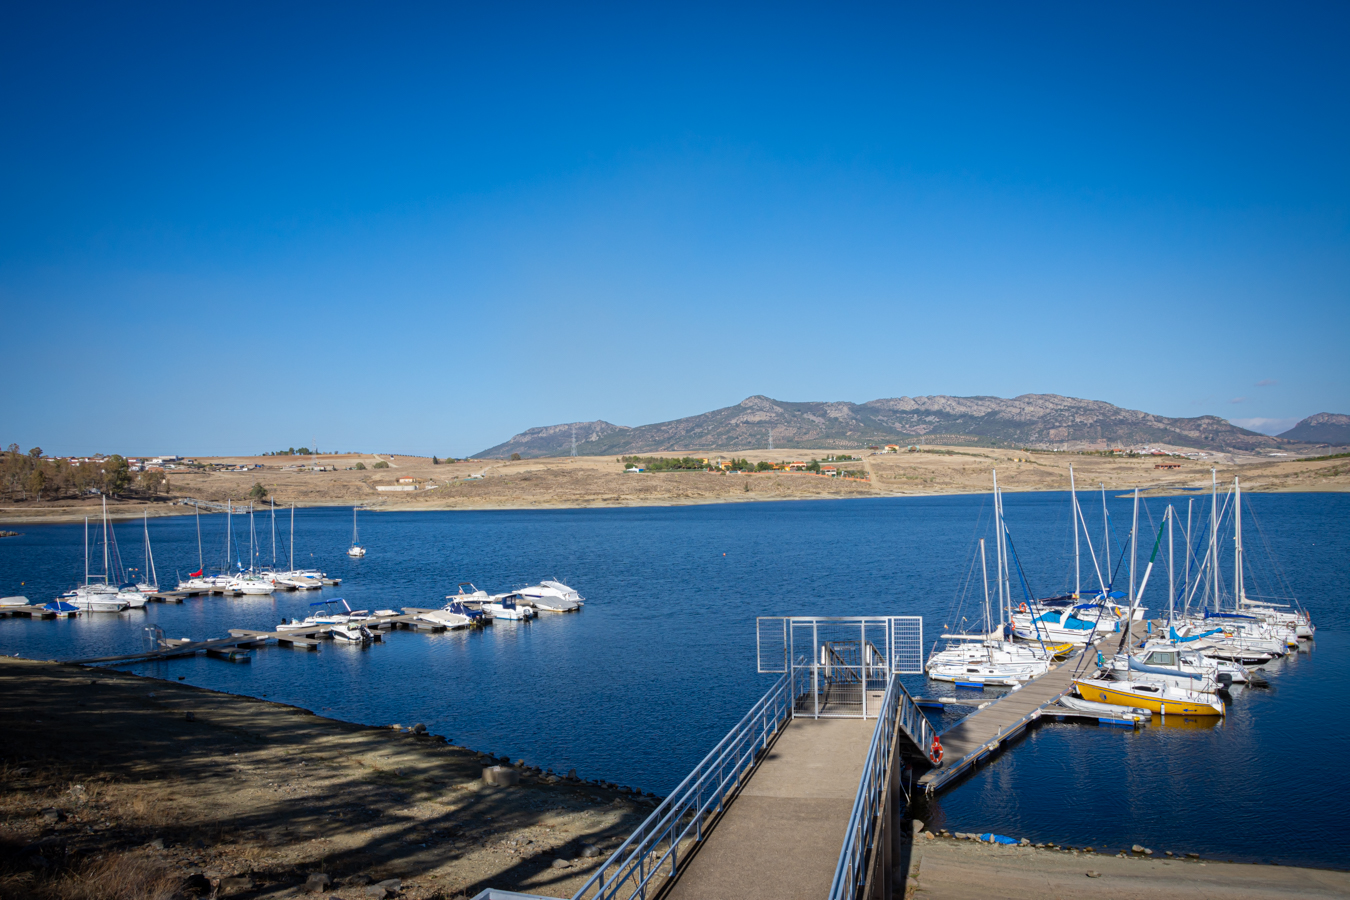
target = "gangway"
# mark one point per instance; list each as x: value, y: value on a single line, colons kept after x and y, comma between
x: 801, y: 798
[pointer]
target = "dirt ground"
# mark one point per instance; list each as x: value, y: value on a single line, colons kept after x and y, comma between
x: 103, y: 773
x: 600, y: 481
x: 948, y: 869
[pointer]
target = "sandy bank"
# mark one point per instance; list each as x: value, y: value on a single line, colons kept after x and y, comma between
x: 261, y: 791
x: 948, y: 869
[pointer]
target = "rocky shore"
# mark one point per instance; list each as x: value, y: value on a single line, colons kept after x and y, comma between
x: 174, y: 791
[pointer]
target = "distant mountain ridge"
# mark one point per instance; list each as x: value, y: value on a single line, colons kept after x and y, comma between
x: 1031, y: 420
x: 1323, y: 428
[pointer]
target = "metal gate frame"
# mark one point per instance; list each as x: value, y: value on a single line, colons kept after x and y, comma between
x: 842, y: 669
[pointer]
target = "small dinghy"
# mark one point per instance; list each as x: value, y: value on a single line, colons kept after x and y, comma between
x: 1078, y: 704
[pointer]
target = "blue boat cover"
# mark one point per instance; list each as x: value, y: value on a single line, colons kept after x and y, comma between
x: 990, y: 838
x: 1137, y: 666
x: 1178, y: 639
x: 1224, y: 615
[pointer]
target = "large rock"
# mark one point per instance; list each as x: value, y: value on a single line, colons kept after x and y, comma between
x: 501, y: 776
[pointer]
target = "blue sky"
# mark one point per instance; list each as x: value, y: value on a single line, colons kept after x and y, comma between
x: 236, y: 227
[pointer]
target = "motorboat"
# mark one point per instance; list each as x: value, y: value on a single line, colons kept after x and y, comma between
x: 1188, y: 664
x: 61, y: 609
x: 510, y: 607
x: 552, y: 596
x: 301, y: 580
x: 13, y: 601
x: 95, y: 598
x: 352, y: 633
x: 1154, y: 694
x: 348, y: 616
x: 251, y: 584
x: 1078, y: 704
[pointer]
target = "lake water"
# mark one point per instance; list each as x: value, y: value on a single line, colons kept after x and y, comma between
x: 637, y: 687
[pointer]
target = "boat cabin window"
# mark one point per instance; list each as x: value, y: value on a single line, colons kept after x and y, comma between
x: 1147, y: 687
x: 1161, y: 658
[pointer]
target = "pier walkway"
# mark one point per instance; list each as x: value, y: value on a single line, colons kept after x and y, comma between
x: 782, y: 836
x: 984, y: 731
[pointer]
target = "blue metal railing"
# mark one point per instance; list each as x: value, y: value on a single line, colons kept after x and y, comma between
x: 654, y: 848
x: 899, y: 717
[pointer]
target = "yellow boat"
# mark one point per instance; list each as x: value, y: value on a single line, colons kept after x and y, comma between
x: 1157, y: 696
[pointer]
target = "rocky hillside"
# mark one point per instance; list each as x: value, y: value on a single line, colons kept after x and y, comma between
x: 553, y: 440
x: 1323, y: 428
x: 1033, y: 420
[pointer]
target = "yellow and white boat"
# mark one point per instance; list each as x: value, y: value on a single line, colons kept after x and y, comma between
x: 1157, y: 696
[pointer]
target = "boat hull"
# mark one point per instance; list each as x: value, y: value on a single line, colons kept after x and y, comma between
x: 1104, y: 692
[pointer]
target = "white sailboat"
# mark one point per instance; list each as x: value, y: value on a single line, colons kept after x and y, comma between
x: 356, y: 551
x: 96, y: 595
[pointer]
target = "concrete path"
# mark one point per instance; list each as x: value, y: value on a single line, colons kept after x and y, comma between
x: 780, y: 838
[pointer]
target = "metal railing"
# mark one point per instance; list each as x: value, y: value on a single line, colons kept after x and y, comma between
x: 654, y: 848
x: 899, y: 717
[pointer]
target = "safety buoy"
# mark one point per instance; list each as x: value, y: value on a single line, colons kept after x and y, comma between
x: 1022, y: 608
x: 935, y: 753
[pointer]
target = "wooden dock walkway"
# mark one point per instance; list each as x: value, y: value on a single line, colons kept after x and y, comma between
x: 984, y: 731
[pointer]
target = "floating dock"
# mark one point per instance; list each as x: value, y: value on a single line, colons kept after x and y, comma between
x: 982, y: 733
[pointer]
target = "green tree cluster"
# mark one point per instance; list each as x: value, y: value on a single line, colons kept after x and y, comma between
x: 27, y: 476
x: 664, y: 463
x: 361, y: 466
x: 257, y: 492
x: 381, y: 465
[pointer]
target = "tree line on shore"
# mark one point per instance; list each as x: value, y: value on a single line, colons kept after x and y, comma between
x: 27, y: 476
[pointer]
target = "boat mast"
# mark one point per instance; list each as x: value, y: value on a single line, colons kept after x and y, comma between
x: 252, y: 540
x: 201, y: 565
x: 86, y: 551
x: 1237, y: 546
x: 150, y: 554
x: 998, y: 550
x: 1134, y: 543
x: 274, y: 534
x: 1171, y: 589
x: 1077, y: 569
x: 984, y: 568
x: 1106, y: 538
x: 292, y: 537
x: 1214, y: 535
x: 229, y: 527
x: 1186, y: 583
x: 105, y: 538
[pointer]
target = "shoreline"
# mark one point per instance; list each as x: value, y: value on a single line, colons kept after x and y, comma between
x: 215, y: 789
x: 59, y: 516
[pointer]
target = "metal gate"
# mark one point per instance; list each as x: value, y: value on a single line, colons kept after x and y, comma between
x: 840, y: 665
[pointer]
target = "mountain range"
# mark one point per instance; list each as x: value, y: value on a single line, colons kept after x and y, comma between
x: 1031, y: 420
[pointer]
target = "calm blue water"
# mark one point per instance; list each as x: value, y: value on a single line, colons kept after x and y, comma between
x: 637, y: 687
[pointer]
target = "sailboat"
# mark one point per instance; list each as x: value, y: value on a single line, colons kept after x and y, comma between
x: 96, y: 594
x: 1150, y: 687
x: 355, y: 550
x: 151, y: 586
x: 298, y: 579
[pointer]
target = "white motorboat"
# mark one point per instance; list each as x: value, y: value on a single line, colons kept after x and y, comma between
x: 1061, y: 626
x: 979, y: 675
x: 1078, y: 704
x: 13, y: 601
x: 352, y: 633
x: 552, y: 596
x: 251, y: 584
x: 510, y: 607
x: 457, y: 614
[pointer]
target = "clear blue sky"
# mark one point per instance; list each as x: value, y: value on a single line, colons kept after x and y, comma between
x: 236, y: 227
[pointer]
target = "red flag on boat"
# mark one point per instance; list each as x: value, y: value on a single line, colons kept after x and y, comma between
x: 196, y: 574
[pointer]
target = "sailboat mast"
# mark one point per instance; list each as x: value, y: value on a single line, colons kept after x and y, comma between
x: 229, y: 527
x: 150, y: 554
x: 252, y: 540
x: 1171, y: 583
x: 1134, y: 543
x: 1237, y: 545
x: 984, y: 568
x: 201, y: 564
x: 1214, y: 535
x: 1186, y: 581
x: 105, y: 538
x: 86, y: 550
x: 998, y: 548
x: 274, y: 534
x: 1106, y: 537
x: 1077, y: 568
x: 292, y: 537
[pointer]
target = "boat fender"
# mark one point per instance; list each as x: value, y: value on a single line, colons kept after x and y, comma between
x: 935, y: 752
